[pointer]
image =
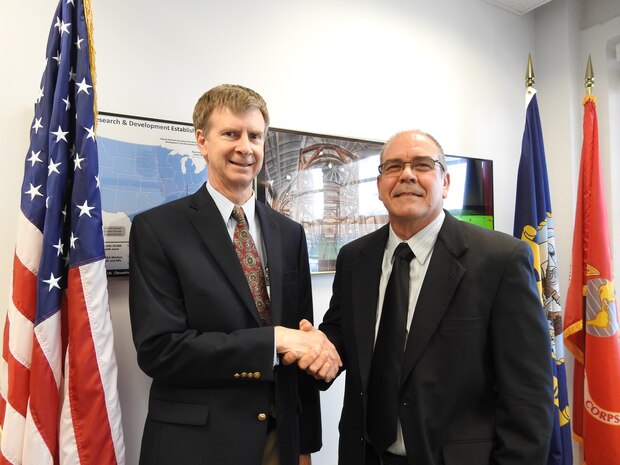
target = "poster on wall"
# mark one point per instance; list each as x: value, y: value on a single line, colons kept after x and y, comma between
x: 325, y: 183
x: 142, y: 163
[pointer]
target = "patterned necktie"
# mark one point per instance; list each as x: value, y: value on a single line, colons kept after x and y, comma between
x: 252, y: 268
x: 388, y: 355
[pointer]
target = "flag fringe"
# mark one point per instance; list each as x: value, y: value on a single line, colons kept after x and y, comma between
x: 574, y: 349
x: 88, y: 14
x: 589, y: 98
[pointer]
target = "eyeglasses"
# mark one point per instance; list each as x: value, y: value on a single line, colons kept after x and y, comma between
x: 419, y: 165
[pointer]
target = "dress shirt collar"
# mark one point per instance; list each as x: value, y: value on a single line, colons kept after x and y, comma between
x: 225, y: 206
x: 421, y: 243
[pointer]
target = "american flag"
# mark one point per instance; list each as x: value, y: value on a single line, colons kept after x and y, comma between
x: 58, y: 375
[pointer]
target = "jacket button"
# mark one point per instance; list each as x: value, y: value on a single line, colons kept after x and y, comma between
x: 250, y: 375
x: 257, y: 374
x: 262, y: 416
x: 237, y: 375
x: 244, y: 375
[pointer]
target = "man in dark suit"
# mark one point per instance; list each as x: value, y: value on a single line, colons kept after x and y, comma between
x: 472, y: 376
x: 213, y: 299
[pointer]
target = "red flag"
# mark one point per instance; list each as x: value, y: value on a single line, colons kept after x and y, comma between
x: 58, y: 393
x: 591, y: 320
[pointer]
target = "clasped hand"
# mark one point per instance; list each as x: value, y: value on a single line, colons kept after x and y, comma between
x: 310, y: 348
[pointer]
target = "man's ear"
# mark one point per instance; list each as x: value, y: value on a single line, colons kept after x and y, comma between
x: 446, y: 185
x: 201, y: 142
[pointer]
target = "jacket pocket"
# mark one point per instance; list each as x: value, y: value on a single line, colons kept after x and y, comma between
x: 178, y: 412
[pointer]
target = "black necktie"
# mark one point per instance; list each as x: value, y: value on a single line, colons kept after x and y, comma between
x: 388, y: 355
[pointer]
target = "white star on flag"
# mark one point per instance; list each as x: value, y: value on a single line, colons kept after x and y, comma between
x: 91, y: 132
x: 67, y: 103
x: 71, y: 74
x: 34, y: 191
x: 57, y: 57
x: 73, y: 239
x: 53, y: 282
x: 77, y: 162
x: 41, y: 94
x: 83, y: 87
x: 78, y: 43
x: 34, y: 157
x: 59, y: 247
x: 53, y: 167
x: 60, y: 134
x: 84, y: 208
x: 64, y: 27
x: 37, y: 125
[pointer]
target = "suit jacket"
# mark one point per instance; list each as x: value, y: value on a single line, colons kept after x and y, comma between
x: 197, y: 334
x: 476, y: 383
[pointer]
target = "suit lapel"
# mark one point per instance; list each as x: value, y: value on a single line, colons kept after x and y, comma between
x: 441, y: 281
x: 365, y: 283
x: 270, y: 230
x: 209, y: 225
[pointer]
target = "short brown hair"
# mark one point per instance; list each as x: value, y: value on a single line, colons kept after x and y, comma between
x: 236, y: 98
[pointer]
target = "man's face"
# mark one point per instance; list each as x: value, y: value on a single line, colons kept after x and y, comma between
x: 413, y: 198
x: 233, y: 148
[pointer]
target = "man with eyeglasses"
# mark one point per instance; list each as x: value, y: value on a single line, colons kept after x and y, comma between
x: 441, y: 331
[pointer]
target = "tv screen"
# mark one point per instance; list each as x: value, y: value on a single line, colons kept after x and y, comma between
x: 328, y: 184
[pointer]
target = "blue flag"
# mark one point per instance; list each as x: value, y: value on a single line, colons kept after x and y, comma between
x: 534, y: 224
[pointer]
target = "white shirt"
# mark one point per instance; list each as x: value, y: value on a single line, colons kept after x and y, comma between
x: 225, y: 207
x: 422, y: 245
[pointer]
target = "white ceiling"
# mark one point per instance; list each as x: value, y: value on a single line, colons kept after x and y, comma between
x: 519, y: 7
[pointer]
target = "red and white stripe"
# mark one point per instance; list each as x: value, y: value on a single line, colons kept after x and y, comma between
x: 59, y: 406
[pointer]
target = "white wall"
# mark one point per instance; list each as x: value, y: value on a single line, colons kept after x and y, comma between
x: 360, y: 68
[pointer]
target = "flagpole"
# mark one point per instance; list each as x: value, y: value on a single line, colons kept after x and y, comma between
x: 530, y: 91
x: 589, y: 81
x: 529, y: 73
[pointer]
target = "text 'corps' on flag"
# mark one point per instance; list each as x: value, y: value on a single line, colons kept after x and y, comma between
x: 591, y: 323
x: 534, y: 225
x: 58, y: 375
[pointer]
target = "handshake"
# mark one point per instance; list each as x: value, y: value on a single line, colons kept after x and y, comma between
x: 310, y: 348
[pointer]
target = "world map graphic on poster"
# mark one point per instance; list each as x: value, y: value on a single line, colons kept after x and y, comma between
x: 142, y: 163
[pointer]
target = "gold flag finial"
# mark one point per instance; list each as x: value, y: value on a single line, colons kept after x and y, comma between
x: 529, y: 74
x: 589, y: 77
